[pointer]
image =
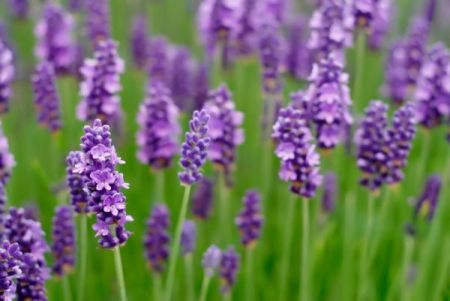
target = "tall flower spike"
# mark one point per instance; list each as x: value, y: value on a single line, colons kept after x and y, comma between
x: 329, y: 192
x: 159, y: 59
x: 104, y: 184
x: 19, y: 8
x: 101, y: 85
x: 188, y: 237
x: 201, y: 86
x: 10, y: 269
x: 328, y: 96
x: 298, y: 56
x: 98, y: 20
x: 63, y: 237
x: 229, y: 266
x: 7, y: 72
x: 380, y: 23
x: 331, y: 29
x: 156, y: 241
x: 299, y: 159
x: 54, y: 38
x: 427, y: 202
x: 46, y: 97
x: 140, y: 42
x: 433, y: 90
x: 7, y: 161
x: 247, y: 35
x: 75, y: 182
x: 195, y: 149
x: 182, y: 69
x: 250, y: 219
x: 224, y: 129
x: 159, y: 130
x: 211, y: 260
x: 371, y: 139
x: 202, y: 200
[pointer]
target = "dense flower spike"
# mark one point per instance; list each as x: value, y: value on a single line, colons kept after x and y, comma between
x: 156, y: 241
x: 229, y: 266
x: 298, y: 56
x: 181, y: 85
x: 159, y: 60
x: 224, y: 129
x: 101, y: 85
x: 202, y: 200
x: 188, y: 237
x: 329, y: 192
x: 247, y: 36
x: 31, y: 285
x: 331, y: 29
x: 195, y: 148
x: 299, y: 159
x: 140, y: 42
x: 10, y: 269
x: 7, y: 161
x: 380, y: 23
x: 98, y: 20
x: 7, y: 72
x: 201, y: 87
x: 75, y: 182
x: 159, y: 130
x: 54, y: 38
x: 328, y: 98
x: 427, y: 202
x: 433, y: 90
x: 104, y: 184
x: 63, y: 237
x: 404, y: 62
x: 19, y: 8
x: 46, y: 97
x: 211, y: 260
x: 250, y: 220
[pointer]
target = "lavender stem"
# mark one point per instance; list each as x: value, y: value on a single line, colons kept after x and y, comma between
x: 224, y: 207
x: 407, y: 256
x: 360, y: 56
x: 304, y: 294
x: 288, y: 229
x: 83, y: 257
x: 189, y: 273
x: 365, y: 260
x: 157, y: 287
x: 249, y: 274
x: 205, y: 286
x: 66, y: 288
x: 119, y: 271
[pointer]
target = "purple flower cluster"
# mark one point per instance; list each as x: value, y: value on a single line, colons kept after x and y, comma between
x: 159, y: 60
x: 201, y: 87
x: 298, y: 56
x: 19, y: 8
x: 329, y: 192
x: 181, y: 85
x: 46, y: 97
x: 250, y: 219
x: 139, y: 42
x: 380, y: 23
x: 7, y: 72
x: 224, y: 129
x: 159, y: 130
x: 98, y: 22
x: 328, y: 99
x: 247, y: 35
x: 75, y: 5
x: 31, y: 285
x: 54, y: 38
x: 10, y: 269
x: 104, y: 184
x: 188, y: 237
x: 195, y: 148
x: 229, y: 265
x: 156, y: 242
x: 75, y: 182
x: 63, y: 237
x: 433, y: 89
x: 211, y: 260
x: 299, y: 159
x: 101, y: 85
x: 202, y: 200
x: 427, y: 202
x: 7, y: 161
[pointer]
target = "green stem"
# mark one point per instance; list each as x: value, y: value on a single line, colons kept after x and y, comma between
x: 249, y: 274
x: 407, y: 258
x: 83, y: 257
x: 119, y: 271
x: 175, y: 249
x: 157, y: 286
x: 348, y: 248
x: 365, y: 259
x: 304, y: 295
x: 287, y: 230
x: 66, y: 288
x: 224, y: 208
x: 205, y: 286
x: 442, y: 277
x: 360, y: 56
x: 159, y: 182
x: 421, y: 169
x: 189, y: 275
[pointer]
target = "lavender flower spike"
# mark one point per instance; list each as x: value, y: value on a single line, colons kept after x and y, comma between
x: 181, y: 77
x: 250, y: 219
x: 140, y: 42
x: 7, y: 161
x: 299, y: 159
x: 188, y: 237
x: 156, y: 242
x: 75, y: 182
x: 194, y: 149
x: 101, y: 85
x: 202, y: 200
x: 46, y: 97
x: 159, y: 130
x: 63, y: 237
x: 427, y: 202
x: 104, y: 184
x: 380, y: 23
x: 229, y: 266
x: 19, y: 8
x: 98, y: 21
x: 10, y: 270
x: 211, y: 260
x: 7, y: 72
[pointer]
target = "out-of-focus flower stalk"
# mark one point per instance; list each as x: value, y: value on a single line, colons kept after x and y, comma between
x: 358, y: 81
x: 287, y: 221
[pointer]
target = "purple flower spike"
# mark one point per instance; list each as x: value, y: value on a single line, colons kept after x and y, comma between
x: 19, y: 8
x: 331, y: 29
x: 63, y: 237
x: 195, y: 149
x: 54, y: 38
x: 433, y: 90
x: 201, y: 86
x: 229, y: 266
x: 104, y: 184
x: 250, y: 219
x: 98, y: 20
x: 76, y: 5
x: 158, y: 60
x: 75, y: 182
x: 380, y: 23
x: 7, y: 73
x: 181, y: 84
x: 329, y: 192
x: 299, y: 159
x: 31, y: 285
x: 46, y: 97
x: 247, y: 36
x: 101, y: 85
x: 202, y: 199
x: 328, y: 96
x: 156, y: 242
x: 211, y: 260
x: 298, y: 56
x: 7, y: 161
x: 159, y: 130
x: 10, y: 269
x: 224, y: 129
x: 427, y: 202
x: 140, y: 42
x: 188, y: 237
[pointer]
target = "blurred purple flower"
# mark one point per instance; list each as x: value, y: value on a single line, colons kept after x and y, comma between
x: 63, y: 237
x: 140, y: 42
x: 427, y: 202
x: 181, y: 77
x: 19, y: 8
x: 188, y: 237
x: 298, y: 56
x: 329, y: 192
x: 250, y: 219
x: 229, y: 266
x: 211, y: 260
x: 7, y: 73
x: 7, y: 161
x: 159, y: 60
x: 380, y: 23
x: 202, y: 200
x: 98, y: 20
x: 156, y: 241
x: 201, y: 86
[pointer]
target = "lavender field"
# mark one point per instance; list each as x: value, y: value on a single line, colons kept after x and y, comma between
x: 224, y: 150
